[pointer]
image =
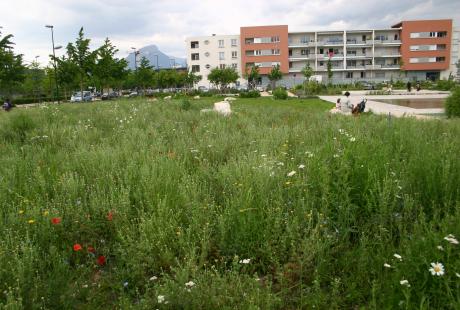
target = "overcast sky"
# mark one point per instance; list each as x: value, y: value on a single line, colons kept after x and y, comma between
x: 166, y: 23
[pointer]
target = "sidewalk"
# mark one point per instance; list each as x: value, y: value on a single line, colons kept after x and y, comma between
x: 385, y: 108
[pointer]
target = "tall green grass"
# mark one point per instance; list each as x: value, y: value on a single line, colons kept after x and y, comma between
x: 170, y: 195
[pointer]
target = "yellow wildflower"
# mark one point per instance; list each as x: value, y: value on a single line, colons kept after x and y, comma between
x: 21, y: 211
x: 31, y: 221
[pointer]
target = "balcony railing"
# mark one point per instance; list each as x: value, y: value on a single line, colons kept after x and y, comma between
x: 301, y: 43
x: 356, y: 67
x: 373, y: 67
x: 387, y: 41
x: 390, y: 67
x: 351, y: 42
x: 331, y: 42
x: 358, y: 55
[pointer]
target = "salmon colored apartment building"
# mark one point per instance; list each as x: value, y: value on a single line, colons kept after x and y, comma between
x: 410, y: 50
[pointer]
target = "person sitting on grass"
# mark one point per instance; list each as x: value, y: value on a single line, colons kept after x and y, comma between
x: 345, y: 104
x: 359, y: 108
x: 7, y: 105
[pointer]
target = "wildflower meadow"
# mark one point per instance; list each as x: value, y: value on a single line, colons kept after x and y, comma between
x: 134, y: 204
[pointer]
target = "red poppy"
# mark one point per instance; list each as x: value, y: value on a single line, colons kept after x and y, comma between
x: 56, y: 220
x: 110, y: 216
x: 91, y: 249
x: 77, y: 247
x: 101, y: 260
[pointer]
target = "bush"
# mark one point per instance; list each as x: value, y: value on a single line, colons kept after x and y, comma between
x: 185, y: 104
x: 280, y: 93
x: 445, y: 85
x: 453, y: 104
x: 250, y: 94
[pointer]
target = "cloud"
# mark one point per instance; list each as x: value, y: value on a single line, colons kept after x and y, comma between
x: 166, y: 23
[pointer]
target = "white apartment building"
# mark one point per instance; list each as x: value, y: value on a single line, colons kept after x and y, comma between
x: 207, y: 52
x: 355, y: 55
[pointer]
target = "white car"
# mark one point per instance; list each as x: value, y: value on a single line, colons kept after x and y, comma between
x: 77, y: 96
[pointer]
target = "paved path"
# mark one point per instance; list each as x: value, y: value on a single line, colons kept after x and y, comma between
x: 377, y: 107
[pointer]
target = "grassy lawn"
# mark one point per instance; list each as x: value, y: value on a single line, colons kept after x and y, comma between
x: 133, y: 204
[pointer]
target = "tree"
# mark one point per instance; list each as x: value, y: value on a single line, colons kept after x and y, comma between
x: 223, y: 77
x: 33, y: 82
x: 68, y: 74
x: 12, y: 71
x: 191, y: 79
x: 307, y: 72
x: 81, y: 56
x: 144, y: 74
x: 329, y: 70
x: 108, y: 70
x: 253, y: 76
x: 274, y: 75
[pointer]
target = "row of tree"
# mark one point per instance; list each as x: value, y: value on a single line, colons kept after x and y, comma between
x: 81, y: 67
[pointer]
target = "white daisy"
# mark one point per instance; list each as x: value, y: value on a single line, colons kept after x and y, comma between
x: 190, y: 284
x: 437, y: 269
x: 290, y: 174
x: 451, y: 238
x: 387, y: 265
x: 160, y: 299
x: 301, y: 166
x: 245, y: 261
x: 398, y: 256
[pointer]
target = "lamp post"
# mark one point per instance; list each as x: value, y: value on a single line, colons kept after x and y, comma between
x: 156, y: 56
x: 136, y: 52
x: 54, y: 60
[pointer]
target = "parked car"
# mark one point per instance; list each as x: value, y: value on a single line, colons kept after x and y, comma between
x: 203, y: 89
x: 368, y: 86
x: 133, y: 94
x: 108, y: 96
x: 84, y: 96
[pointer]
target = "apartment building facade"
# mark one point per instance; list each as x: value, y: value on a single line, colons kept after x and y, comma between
x: 415, y: 50
x: 207, y: 52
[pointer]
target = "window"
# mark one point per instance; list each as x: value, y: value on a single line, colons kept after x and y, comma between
x: 221, y: 43
x: 440, y: 59
x: 304, y: 52
x: 234, y: 66
x: 321, y: 63
x: 194, y: 44
x: 234, y: 42
x: 195, y: 56
x: 290, y: 53
x: 304, y: 40
x: 380, y: 75
x: 234, y: 54
x: 351, y: 53
x: 222, y: 66
x: 275, y: 52
x: 208, y: 66
x: 363, y: 74
x: 349, y: 75
x: 221, y: 55
x: 290, y: 65
x: 433, y: 34
x: 195, y: 68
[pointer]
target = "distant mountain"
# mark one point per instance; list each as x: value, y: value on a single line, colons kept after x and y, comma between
x: 156, y: 58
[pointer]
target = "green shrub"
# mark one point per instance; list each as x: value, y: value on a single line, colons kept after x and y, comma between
x: 453, y: 103
x: 280, y: 93
x: 250, y: 94
x: 185, y: 104
x: 445, y: 85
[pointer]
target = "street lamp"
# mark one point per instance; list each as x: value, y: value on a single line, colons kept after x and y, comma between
x: 54, y: 60
x: 156, y: 56
x: 135, y: 57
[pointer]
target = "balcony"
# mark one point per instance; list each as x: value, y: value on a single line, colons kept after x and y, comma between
x: 388, y: 54
x: 330, y: 43
x: 358, y: 55
x: 373, y: 67
x: 358, y: 42
x: 337, y: 56
x: 387, y: 42
x: 391, y: 67
x: 294, y: 44
x: 356, y: 67
x: 301, y: 57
